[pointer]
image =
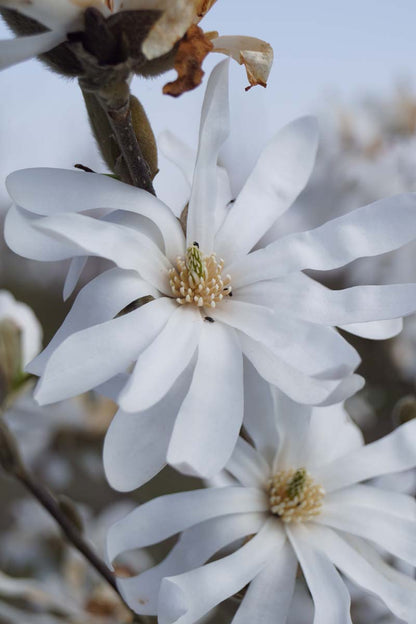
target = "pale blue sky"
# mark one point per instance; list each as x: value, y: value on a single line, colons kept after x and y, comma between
x: 321, y: 47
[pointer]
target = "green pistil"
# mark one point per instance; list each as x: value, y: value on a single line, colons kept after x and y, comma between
x: 296, y: 484
x: 195, y: 263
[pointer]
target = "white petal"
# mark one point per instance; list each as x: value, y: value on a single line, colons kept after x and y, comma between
x: 280, y: 174
x: 159, y: 366
x: 309, y: 300
x: 393, y: 453
x: 331, y: 434
x: 99, y: 301
x: 292, y: 423
x: 13, y: 51
x: 375, y: 330
x: 127, y: 248
x: 394, y: 534
x: 258, y: 322
x: 292, y: 382
x: 399, y: 600
x: 212, y: 412
x: 50, y: 192
x: 185, y: 598
x: 91, y: 356
x: 162, y: 517
x: 268, y: 597
x: 330, y: 596
x: 22, y: 236
x: 194, y: 547
x: 212, y: 134
x: 76, y: 267
x: 259, y: 412
x: 314, y: 350
x: 378, y: 499
x: 135, y: 445
x: 248, y: 466
x: 179, y: 153
x: 369, y: 231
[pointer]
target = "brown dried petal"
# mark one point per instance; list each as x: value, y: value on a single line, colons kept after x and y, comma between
x: 188, y: 60
x: 256, y: 55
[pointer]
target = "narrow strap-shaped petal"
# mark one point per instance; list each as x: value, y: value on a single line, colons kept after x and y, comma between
x: 99, y: 301
x: 23, y: 237
x: 162, y: 517
x: 210, y: 417
x: 375, y: 330
x: 292, y: 423
x: 213, y: 132
x: 330, y: 596
x: 259, y: 412
x: 268, y: 597
x: 91, y: 356
x: 248, y: 466
x: 308, y: 300
x: 394, y: 534
x: 126, y: 247
x: 295, y: 384
x: 377, y: 228
x: 76, y: 267
x: 50, y: 192
x: 279, y: 175
x: 400, y: 600
x: 331, y: 434
x: 378, y: 499
x: 393, y: 453
x: 185, y: 598
x: 178, y: 153
x: 159, y: 366
x: 256, y: 321
x: 135, y: 445
x: 194, y: 547
x: 13, y: 51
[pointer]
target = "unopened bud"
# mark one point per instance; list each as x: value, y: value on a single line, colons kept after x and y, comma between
x: 10, y: 357
x: 404, y: 410
x: 10, y: 459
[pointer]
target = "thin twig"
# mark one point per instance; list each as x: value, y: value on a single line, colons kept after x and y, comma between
x: 48, y: 501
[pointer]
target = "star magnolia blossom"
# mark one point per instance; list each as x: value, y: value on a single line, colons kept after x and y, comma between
x: 215, y: 299
x: 64, y: 16
x: 302, y: 504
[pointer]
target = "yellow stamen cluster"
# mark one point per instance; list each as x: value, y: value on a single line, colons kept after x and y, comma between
x: 198, y: 279
x: 294, y: 496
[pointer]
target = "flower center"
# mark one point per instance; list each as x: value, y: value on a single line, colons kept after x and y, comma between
x: 198, y: 279
x: 294, y: 496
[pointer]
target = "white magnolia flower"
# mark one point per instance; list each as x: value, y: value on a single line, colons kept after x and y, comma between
x: 176, y: 17
x: 304, y: 504
x: 215, y: 299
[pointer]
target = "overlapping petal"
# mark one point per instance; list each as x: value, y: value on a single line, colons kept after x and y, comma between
x: 211, y: 415
x: 91, y: 356
x: 280, y: 174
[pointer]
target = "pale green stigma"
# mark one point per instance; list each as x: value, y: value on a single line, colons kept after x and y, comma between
x: 195, y: 263
x: 294, y: 496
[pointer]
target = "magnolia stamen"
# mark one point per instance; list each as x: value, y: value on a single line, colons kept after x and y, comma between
x: 294, y: 496
x: 198, y: 279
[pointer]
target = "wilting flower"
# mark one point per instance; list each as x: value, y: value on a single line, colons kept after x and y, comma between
x: 293, y: 497
x: 214, y: 299
x: 152, y: 33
